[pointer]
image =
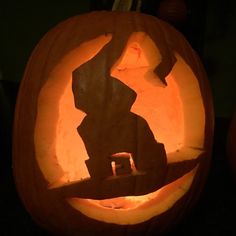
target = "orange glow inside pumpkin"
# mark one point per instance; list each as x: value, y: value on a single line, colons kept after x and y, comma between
x: 135, y: 68
x: 135, y: 209
x: 175, y: 114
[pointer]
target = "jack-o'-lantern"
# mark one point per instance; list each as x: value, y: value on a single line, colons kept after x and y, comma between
x: 113, y: 126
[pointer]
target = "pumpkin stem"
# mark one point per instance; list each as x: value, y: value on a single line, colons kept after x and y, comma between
x: 126, y: 5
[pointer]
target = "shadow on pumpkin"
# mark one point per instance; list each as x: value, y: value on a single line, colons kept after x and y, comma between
x: 113, y: 135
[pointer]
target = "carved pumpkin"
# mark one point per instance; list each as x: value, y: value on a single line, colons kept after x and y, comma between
x: 113, y: 126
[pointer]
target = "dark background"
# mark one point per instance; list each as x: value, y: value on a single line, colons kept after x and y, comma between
x: 210, y: 28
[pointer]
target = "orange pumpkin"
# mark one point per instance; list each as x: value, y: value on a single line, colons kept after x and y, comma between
x: 113, y: 126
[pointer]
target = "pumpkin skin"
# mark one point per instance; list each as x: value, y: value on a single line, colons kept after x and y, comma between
x: 39, y: 175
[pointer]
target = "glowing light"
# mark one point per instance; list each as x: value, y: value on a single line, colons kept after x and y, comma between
x: 135, y: 209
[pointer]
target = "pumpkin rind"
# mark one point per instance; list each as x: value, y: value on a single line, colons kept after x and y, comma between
x: 49, y: 208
